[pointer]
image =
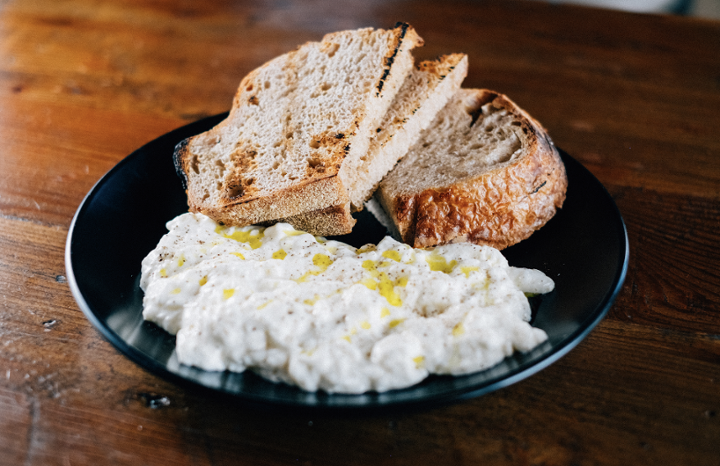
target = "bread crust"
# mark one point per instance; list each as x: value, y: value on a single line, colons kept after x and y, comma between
x: 331, y: 221
x: 309, y: 196
x: 498, y: 208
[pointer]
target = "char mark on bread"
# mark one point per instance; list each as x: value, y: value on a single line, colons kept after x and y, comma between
x: 391, y: 59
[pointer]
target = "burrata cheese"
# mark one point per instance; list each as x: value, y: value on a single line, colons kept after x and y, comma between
x: 324, y: 315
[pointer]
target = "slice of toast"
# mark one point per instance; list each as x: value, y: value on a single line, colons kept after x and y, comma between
x: 295, y: 123
x: 484, y: 172
x: 426, y: 90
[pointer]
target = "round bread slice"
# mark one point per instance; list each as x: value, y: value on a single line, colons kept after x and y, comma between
x: 484, y: 171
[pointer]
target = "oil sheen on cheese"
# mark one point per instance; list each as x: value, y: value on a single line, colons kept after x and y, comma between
x: 324, y: 315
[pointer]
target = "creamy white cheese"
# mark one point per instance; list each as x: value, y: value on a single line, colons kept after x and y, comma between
x: 323, y: 315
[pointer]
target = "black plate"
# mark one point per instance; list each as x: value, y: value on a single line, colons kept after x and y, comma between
x: 583, y: 248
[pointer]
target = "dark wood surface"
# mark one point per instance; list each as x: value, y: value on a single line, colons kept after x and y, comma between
x: 635, y: 98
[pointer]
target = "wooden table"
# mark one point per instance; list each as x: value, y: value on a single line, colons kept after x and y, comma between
x: 635, y: 98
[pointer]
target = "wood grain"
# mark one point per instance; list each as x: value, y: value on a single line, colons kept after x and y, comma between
x: 635, y: 98
x: 673, y: 281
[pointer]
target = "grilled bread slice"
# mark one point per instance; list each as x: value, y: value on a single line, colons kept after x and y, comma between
x: 426, y: 90
x: 298, y: 126
x: 484, y: 172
